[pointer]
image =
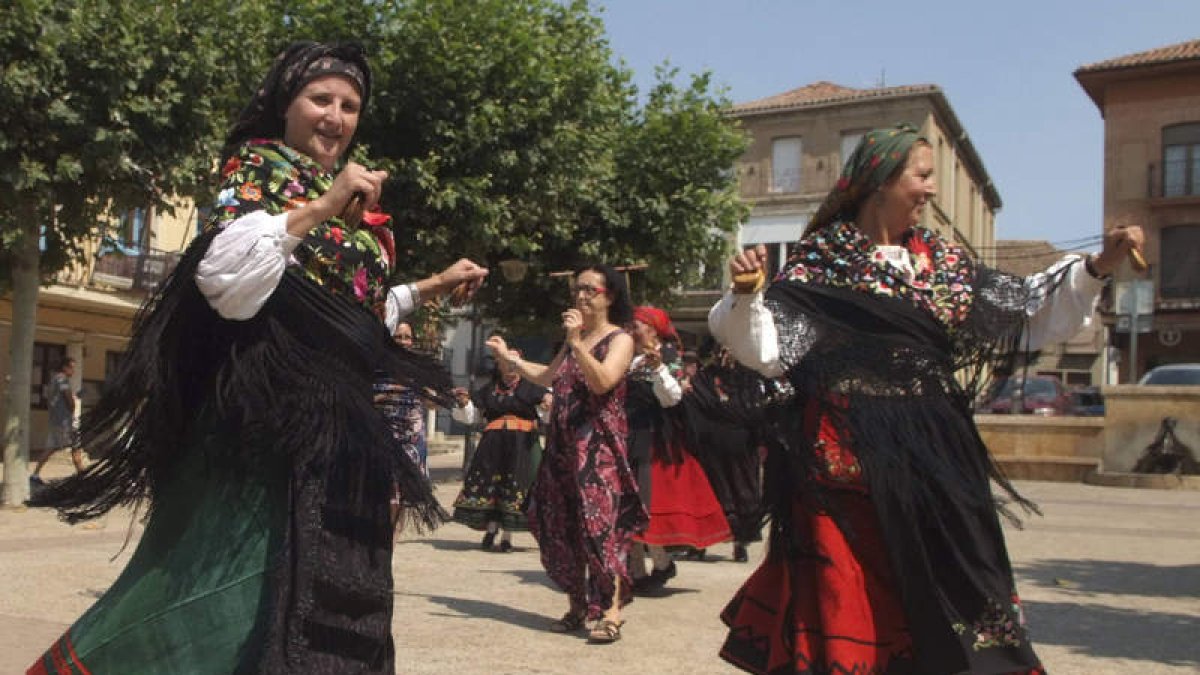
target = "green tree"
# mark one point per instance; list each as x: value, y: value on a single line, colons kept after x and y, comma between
x: 511, y: 132
x: 100, y: 115
x: 676, y: 196
x: 508, y: 126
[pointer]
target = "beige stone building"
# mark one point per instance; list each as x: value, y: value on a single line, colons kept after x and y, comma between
x: 1150, y: 102
x: 1077, y: 362
x: 801, y: 138
x: 87, y: 312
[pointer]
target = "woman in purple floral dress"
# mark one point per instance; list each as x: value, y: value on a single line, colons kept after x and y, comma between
x: 584, y: 507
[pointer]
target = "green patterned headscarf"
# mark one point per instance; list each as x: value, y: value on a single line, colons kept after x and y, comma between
x: 879, y: 154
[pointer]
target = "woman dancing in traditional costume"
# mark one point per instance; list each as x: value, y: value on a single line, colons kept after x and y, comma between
x: 243, y: 414
x: 684, y: 512
x: 887, y: 554
x: 504, y: 462
x: 728, y: 447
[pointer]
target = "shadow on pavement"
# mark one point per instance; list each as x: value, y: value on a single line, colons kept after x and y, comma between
x: 537, y: 577
x: 460, y: 545
x: 1110, y: 632
x: 664, y: 592
x: 449, y: 545
x: 445, y: 474
x: 1120, y: 578
x: 481, y: 609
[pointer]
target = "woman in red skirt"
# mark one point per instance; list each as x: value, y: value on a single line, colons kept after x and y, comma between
x: 684, y: 511
x: 886, y: 553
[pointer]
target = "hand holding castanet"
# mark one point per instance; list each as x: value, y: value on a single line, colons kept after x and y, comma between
x: 573, y: 324
x: 747, y: 269
x: 1120, y: 243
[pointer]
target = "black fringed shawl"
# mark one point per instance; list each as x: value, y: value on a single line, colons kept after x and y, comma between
x: 882, y: 358
x: 295, y: 379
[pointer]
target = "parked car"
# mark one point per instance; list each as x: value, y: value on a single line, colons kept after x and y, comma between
x: 1173, y: 374
x: 1039, y: 395
x: 1087, y: 402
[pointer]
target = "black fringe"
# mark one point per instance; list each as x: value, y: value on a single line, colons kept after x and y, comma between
x: 883, y: 372
x: 296, y: 378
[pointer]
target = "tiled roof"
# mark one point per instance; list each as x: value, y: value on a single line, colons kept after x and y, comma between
x: 1023, y: 257
x: 823, y: 93
x: 1183, y: 51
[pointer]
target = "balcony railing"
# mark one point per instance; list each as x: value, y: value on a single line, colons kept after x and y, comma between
x: 138, y: 271
x: 1173, y: 179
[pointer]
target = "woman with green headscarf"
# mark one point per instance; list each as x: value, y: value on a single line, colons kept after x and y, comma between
x: 886, y: 549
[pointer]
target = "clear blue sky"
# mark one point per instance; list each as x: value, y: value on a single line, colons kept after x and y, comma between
x: 1006, y: 68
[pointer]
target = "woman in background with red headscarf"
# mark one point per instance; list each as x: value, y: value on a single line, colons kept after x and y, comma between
x: 683, y: 509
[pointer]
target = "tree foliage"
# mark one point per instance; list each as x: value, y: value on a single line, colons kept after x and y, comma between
x: 510, y: 131
x: 508, y: 126
x: 109, y: 106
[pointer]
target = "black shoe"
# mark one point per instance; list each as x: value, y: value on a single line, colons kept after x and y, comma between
x: 37, y: 480
x: 658, y: 578
x: 505, y: 546
x: 648, y: 585
x: 696, y: 554
x: 488, y: 540
x: 740, y: 554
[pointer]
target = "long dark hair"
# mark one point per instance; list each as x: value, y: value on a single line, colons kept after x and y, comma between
x: 620, y: 311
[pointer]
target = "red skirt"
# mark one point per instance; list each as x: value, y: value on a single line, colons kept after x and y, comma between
x: 684, y: 511
x: 835, y: 607
x: 835, y: 611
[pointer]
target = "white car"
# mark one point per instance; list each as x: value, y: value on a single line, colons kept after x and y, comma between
x: 1173, y: 374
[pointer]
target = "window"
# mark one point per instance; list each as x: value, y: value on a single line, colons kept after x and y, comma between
x: 131, y: 228
x: 46, y: 360
x: 785, y: 164
x: 90, y: 392
x: 112, y: 363
x: 1181, y: 160
x: 1179, y: 269
x: 776, y: 252
x: 202, y: 214
x: 850, y: 141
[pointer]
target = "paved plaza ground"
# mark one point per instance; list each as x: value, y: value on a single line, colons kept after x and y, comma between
x: 1110, y: 576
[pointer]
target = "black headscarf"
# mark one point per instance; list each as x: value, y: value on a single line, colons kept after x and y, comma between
x: 295, y: 67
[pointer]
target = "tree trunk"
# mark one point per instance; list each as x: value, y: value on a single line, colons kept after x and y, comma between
x: 26, y: 279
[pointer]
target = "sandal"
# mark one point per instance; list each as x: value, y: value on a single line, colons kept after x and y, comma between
x: 569, y: 623
x: 606, y: 631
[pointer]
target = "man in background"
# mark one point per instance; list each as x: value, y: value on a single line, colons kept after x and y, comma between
x: 61, y: 434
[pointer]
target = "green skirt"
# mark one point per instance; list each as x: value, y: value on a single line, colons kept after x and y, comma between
x: 190, y: 599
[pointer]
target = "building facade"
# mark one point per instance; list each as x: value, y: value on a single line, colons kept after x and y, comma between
x: 87, y: 312
x: 1150, y: 102
x: 801, y: 138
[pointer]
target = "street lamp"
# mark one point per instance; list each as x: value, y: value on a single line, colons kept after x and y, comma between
x: 513, y: 270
